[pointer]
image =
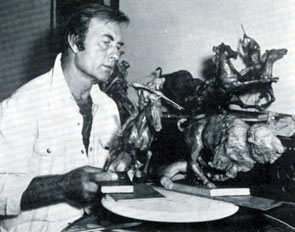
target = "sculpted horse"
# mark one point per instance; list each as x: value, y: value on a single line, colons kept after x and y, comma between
x: 260, y: 67
x: 216, y: 94
x: 232, y: 144
x: 136, y: 135
x: 270, y: 57
x: 229, y: 82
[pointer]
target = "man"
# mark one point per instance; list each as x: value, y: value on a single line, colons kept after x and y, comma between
x: 55, y: 130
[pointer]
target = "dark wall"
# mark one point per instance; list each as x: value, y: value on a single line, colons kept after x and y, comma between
x: 25, y: 42
x: 29, y: 41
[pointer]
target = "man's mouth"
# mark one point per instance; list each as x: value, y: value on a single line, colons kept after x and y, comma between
x: 110, y: 67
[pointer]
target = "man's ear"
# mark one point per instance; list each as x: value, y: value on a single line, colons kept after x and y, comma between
x: 74, y: 43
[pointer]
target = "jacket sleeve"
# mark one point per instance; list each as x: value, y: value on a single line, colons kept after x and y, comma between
x: 17, y: 135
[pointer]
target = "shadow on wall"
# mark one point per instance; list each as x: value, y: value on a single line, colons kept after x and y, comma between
x: 208, y: 69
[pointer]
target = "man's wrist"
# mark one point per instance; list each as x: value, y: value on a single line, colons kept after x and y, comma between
x: 42, y: 191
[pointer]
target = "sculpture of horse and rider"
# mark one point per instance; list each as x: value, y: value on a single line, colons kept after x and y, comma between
x: 224, y: 88
x: 138, y: 131
x: 260, y: 67
x: 117, y: 89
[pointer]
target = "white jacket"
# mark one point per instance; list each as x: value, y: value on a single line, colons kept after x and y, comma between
x: 40, y: 134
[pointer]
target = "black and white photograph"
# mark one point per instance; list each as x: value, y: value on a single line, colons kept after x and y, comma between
x: 147, y: 116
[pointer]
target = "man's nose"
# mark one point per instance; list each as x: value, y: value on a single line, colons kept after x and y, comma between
x: 115, y: 54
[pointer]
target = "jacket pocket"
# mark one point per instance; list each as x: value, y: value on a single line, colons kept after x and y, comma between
x: 50, y: 147
x: 105, y: 140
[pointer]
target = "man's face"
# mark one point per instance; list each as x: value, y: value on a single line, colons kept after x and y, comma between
x: 102, y: 44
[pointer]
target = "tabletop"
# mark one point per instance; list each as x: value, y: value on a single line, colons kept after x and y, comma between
x: 245, y: 219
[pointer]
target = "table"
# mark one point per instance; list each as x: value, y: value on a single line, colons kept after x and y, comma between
x: 245, y: 219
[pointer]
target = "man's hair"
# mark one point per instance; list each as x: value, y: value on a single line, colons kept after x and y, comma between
x: 78, y: 22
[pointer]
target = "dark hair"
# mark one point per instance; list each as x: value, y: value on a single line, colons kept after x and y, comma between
x: 78, y: 22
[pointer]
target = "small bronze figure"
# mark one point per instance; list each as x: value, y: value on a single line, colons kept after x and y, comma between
x: 224, y: 89
x: 260, y: 67
x: 137, y: 134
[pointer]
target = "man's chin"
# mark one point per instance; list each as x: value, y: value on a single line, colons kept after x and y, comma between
x: 102, y: 79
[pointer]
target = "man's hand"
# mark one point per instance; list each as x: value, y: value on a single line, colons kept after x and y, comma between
x: 81, y: 185
x: 78, y: 186
x: 173, y: 172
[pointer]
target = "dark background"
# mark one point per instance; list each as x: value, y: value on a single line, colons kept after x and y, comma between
x: 29, y: 38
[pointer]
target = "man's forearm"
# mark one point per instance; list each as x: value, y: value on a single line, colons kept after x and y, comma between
x: 78, y: 186
x: 42, y: 191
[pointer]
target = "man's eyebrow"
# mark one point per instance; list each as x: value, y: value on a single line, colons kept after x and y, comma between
x: 112, y: 39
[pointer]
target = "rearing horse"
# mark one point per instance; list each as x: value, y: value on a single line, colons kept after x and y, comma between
x: 260, y: 67
x: 228, y: 81
x: 269, y: 58
x: 137, y: 134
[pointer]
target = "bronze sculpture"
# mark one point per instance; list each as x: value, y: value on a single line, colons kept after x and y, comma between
x: 233, y: 145
x: 224, y: 89
x: 117, y: 88
x: 260, y: 67
x: 136, y: 135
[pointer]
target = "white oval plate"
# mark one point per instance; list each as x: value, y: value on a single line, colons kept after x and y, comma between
x: 176, y: 207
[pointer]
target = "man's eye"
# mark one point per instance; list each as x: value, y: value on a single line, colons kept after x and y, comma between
x: 107, y: 42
